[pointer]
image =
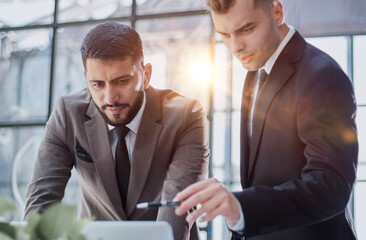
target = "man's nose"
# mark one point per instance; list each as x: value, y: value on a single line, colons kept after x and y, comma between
x: 237, y: 44
x: 111, y: 95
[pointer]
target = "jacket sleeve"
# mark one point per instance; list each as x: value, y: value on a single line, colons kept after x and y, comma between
x: 188, y: 165
x: 53, y: 164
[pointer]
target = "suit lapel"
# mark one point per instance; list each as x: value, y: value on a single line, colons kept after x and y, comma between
x: 146, y: 140
x: 97, y: 134
x: 279, y: 75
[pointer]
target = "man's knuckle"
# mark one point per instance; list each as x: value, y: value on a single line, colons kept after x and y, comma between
x: 227, y: 198
x: 213, y: 180
x: 225, y: 206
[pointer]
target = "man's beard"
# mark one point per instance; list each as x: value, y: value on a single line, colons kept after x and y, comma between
x: 130, y: 114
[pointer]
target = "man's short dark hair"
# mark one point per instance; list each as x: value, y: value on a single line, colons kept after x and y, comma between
x: 112, y: 40
x: 222, y: 6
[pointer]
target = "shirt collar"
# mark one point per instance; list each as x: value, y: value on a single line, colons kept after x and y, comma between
x: 271, y: 61
x: 135, y: 123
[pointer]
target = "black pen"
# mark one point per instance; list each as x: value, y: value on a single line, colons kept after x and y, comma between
x: 158, y: 204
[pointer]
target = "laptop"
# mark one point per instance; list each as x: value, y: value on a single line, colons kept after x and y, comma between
x: 128, y: 230
x: 124, y: 230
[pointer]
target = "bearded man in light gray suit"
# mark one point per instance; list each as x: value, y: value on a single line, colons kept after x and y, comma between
x: 166, y: 144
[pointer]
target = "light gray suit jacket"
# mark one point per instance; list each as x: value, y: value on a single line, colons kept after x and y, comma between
x: 170, y: 153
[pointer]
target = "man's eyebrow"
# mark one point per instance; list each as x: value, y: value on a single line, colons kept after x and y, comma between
x: 248, y: 25
x: 126, y: 76
x: 239, y: 28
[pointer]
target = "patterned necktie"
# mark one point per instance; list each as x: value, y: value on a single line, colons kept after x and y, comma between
x: 122, y: 163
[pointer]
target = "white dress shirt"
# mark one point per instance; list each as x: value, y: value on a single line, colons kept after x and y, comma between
x: 239, y: 226
x: 131, y: 135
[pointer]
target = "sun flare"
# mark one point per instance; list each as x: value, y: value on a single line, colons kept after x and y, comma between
x: 201, y: 72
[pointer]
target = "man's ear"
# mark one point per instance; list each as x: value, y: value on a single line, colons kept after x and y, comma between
x: 279, y: 13
x: 147, y: 75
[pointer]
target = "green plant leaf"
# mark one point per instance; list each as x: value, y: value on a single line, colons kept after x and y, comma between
x: 5, y: 237
x: 33, y: 221
x: 56, y: 221
x: 6, y: 205
x: 22, y: 233
x: 77, y: 226
x: 7, y: 229
x: 75, y: 236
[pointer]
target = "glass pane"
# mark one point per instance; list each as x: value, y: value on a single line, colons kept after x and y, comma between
x: 163, y: 6
x: 361, y: 127
x: 179, y: 51
x: 25, y: 12
x: 24, y: 74
x: 361, y: 171
x: 359, y: 68
x: 69, y: 69
x: 219, y: 229
x: 18, y: 151
x: 82, y: 10
x: 18, y: 148
x: 235, y: 146
x: 239, y: 73
x: 360, y: 209
x: 218, y: 139
x: 336, y: 47
x: 218, y: 173
x: 221, y: 84
x: 236, y: 187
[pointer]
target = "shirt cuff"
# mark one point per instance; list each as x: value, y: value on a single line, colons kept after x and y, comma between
x: 239, y: 226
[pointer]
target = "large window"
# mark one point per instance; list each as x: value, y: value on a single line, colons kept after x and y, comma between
x: 40, y: 60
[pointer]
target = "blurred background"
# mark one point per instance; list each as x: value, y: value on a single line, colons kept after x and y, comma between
x: 40, y: 60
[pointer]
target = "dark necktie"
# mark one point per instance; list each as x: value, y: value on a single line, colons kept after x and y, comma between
x: 262, y: 76
x: 122, y: 163
x: 258, y: 81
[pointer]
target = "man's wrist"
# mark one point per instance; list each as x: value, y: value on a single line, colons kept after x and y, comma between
x: 238, y: 226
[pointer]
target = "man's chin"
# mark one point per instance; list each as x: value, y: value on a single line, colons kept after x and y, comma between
x: 251, y: 67
x: 116, y: 122
x: 113, y: 120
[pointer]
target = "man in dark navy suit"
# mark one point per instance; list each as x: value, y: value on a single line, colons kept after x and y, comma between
x: 298, y: 134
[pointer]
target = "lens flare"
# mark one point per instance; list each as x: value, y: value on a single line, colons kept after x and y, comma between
x: 201, y: 72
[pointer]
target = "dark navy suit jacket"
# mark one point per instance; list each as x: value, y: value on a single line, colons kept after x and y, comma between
x: 298, y: 172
